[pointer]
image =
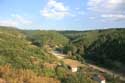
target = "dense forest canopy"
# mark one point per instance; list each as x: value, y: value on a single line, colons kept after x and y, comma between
x: 103, y: 47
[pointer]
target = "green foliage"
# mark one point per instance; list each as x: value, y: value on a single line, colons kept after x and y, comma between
x: 72, y: 34
x: 42, y: 38
x: 104, y: 47
x: 77, y: 78
x: 11, y: 75
x: 48, y: 72
x: 108, y: 49
x: 24, y: 51
x: 17, y: 51
x: 61, y: 72
x: 69, y: 49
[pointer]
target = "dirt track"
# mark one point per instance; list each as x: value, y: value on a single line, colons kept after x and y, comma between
x: 62, y: 57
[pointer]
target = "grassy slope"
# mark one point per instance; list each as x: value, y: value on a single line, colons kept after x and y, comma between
x: 19, y: 52
x: 16, y: 50
x: 20, y: 61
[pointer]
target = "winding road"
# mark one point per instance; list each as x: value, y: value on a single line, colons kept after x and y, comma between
x: 62, y: 57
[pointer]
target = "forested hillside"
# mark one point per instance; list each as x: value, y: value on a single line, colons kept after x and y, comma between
x: 108, y: 49
x: 103, y: 47
x: 25, y: 56
x: 43, y: 38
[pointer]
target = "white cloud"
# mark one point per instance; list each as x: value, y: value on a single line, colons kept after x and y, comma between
x: 106, y: 5
x: 54, y: 9
x: 113, y: 9
x: 15, y: 21
x: 112, y: 17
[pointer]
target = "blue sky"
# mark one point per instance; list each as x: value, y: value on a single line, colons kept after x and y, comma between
x: 62, y: 14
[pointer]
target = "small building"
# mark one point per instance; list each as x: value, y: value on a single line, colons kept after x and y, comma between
x: 99, y: 78
x: 73, y: 64
x: 73, y: 68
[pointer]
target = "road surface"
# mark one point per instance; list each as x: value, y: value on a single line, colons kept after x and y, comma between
x: 62, y: 56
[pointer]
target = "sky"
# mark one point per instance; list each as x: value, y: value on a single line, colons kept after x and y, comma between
x: 62, y: 14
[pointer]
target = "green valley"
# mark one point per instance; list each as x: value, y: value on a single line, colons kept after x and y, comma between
x: 26, y: 55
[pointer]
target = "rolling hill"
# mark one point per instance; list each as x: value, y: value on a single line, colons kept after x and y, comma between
x: 25, y: 57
